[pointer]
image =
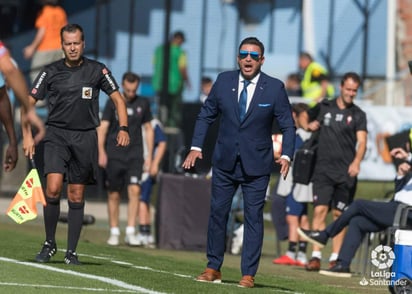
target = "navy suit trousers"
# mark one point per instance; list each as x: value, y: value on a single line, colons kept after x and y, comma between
x: 224, y: 185
x: 361, y: 217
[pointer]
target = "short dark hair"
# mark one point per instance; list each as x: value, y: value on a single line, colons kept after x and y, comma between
x: 253, y: 41
x: 294, y: 77
x: 50, y: 2
x: 305, y: 54
x: 71, y: 28
x: 351, y: 75
x: 179, y: 34
x: 298, y: 108
x: 131, y: 77
x: 206, y: 80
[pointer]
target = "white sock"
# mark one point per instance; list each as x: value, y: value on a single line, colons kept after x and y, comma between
x: 115, y: 231
x: 317, y: 254
x: 130, y: 230
x: 290, y: 254
x: 333, y: 257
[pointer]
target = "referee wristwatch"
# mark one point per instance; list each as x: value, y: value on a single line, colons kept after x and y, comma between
x: 124, y: 128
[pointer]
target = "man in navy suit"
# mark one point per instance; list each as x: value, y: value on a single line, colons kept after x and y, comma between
x: 363, y: 216
x: 243, y: 153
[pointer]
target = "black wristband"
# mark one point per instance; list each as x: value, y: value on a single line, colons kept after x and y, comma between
x: 124, y: 128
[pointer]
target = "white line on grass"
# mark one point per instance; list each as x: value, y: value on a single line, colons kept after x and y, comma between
x: 84, y: 275
x: 117, y: 282
x: 69, y: 288
x: 136, y: 266
x: 108, y: 258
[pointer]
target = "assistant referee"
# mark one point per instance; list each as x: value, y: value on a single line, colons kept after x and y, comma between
x: 72, y: 87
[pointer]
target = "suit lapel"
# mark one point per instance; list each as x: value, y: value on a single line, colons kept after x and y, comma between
x: 256, y: 95
x: 235, y: 93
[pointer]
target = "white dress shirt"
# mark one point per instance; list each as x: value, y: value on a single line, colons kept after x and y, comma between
x: 405, y: 194
x: 250, y: 88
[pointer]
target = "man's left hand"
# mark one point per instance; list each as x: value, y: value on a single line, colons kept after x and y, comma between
x: 284, y: 166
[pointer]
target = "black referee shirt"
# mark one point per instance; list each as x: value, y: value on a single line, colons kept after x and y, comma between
x: 73, y: 93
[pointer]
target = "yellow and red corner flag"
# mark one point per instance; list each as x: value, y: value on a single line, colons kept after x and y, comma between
x: 23, y: 206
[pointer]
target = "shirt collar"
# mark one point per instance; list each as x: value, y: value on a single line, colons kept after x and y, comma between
x: 253, y: 81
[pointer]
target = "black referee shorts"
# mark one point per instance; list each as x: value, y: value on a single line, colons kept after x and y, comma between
x: 73, y: 153
x: 119, y: 173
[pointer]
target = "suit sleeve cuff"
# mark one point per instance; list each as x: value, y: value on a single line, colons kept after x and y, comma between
x: 285, y: 157
x: 409, y: 159
x: 196, y: 148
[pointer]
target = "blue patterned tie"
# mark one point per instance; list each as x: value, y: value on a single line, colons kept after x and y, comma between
x: 243, y: 100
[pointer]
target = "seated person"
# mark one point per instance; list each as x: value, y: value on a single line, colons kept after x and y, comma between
x: 364, y: 216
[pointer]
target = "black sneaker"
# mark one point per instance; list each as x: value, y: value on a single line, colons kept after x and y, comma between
x: 71, y: 258
x: 315, y: 237
x: 338, y: 270
x: 48, y: 250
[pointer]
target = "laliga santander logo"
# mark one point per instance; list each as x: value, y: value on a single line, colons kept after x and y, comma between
x: 382, y: 257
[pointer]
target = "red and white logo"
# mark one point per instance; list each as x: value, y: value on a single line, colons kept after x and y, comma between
x: 29, y: 183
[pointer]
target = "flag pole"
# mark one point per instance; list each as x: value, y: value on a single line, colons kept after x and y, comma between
x: 33, y: 163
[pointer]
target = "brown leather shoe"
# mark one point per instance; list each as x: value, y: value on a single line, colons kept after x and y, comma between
x: 313, y: 264
x: 247, y: 282
x: 210, y: 275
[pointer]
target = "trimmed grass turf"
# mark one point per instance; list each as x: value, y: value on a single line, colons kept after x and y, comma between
x: 152, y: 269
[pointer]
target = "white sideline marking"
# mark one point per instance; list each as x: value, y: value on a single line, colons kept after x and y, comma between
x: 108, y: 258
x: 69, y: 288
x: 84, y: 275
x: 131, y: 288
x: 136, y: 266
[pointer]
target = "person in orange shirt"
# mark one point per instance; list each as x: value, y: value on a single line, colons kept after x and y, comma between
x: 45, y: 47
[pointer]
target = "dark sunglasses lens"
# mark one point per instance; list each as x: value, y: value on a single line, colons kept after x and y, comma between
x: 243, y: 55
x: 254, y: 55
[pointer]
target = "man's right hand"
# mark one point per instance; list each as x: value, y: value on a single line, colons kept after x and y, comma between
x: 29, y: 119
x: 37, y: 123
x: 399, y: 153
x: 28, y: 146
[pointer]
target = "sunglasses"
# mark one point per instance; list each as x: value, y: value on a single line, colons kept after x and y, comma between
x: 253, y: 54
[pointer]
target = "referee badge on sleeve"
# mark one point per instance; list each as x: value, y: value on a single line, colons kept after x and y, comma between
x: 87, y: 93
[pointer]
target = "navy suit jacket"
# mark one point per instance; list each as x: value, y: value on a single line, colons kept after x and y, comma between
x: 400, y: 183
x: 251, y: 139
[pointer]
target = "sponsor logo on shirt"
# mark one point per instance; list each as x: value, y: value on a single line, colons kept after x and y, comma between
x: 327, y: 118
x: 39, y: 82
x: 87, y: 93
x: 108, y: 78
